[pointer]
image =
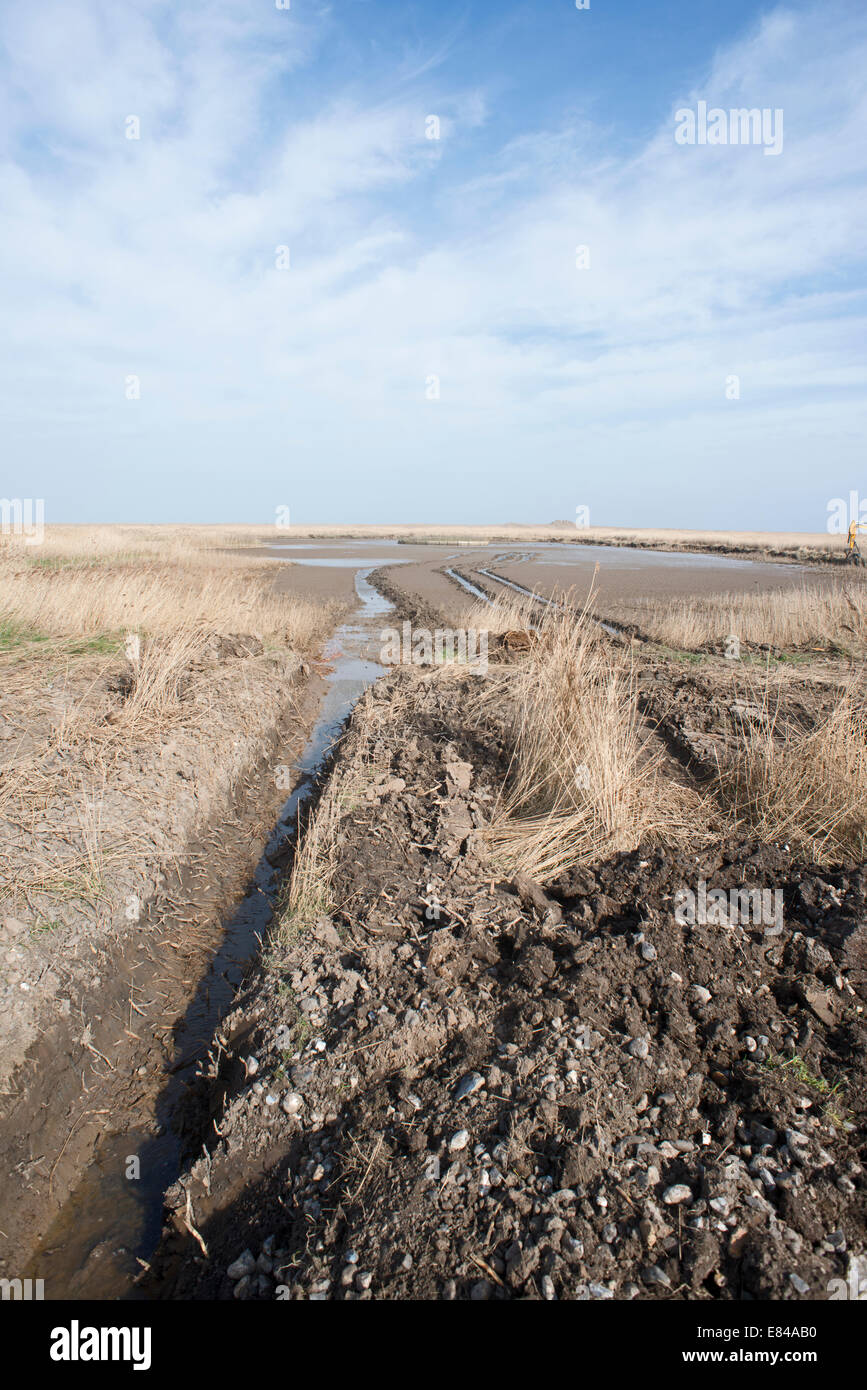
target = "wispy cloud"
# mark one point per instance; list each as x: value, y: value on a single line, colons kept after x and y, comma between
x: 560, y: 385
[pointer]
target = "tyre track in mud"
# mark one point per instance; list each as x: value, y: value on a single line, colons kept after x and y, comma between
x: 523, y: 1093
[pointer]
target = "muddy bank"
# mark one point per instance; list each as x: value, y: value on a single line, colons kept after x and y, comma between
x: 458, y: 1086
x: 93, y: 1170
x: 413, y: 602
x: 328, y: 570
x: 94, y: 808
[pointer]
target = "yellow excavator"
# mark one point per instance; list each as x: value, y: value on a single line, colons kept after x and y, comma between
x: 853, y: 553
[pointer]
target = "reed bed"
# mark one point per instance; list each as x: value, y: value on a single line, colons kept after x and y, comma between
x: 809, y: 617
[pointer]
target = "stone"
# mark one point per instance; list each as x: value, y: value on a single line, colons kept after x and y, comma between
x: 245, y: 1264
x: 762, y: 1134
x: 468, y: 1084
x: 675, y: 1195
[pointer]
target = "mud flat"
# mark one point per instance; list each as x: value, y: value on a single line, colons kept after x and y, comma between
x: 320, y: 571
x: 816, y: 547
x: 617, y: 581
x: 620, y: 578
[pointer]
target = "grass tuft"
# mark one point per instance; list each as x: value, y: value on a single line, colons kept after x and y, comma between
x: 586, y: 777
x: 806, y: 789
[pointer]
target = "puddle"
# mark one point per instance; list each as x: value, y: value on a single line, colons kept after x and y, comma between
x: 109, y: 1220
x: 623, y: 556
x: 470, y: 588
x: 351, y: 554
x: 347, y: 562
x: 520, y: 589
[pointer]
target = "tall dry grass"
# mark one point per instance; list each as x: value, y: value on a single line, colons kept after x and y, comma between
x: 82, y: 545
x: 159, y: 679
x: 79, y: 699
x: 80, y: 585
x: 310, y: 889
x: 789, y: 618
x: 586, y: 777
x: 508, y: 613
x: 807, y: 789
x: 156, y: 598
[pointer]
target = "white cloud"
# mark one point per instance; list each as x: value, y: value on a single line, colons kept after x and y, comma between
x: 559, y: 385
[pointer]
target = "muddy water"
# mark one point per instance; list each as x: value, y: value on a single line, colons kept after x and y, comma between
x: 470, y: 588
x: 111, y: 1223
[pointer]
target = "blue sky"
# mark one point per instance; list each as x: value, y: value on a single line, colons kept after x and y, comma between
x: 433, y: 352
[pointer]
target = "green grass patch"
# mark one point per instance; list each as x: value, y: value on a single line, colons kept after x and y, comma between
x: 797, y: 1068
x: 746, y: 658
x: 43, y: 925
x: 14, y: 635
x: 54, y: 563
x: 680, y: 654
x: 17, y: 637
x: 100, y: 644
x: 802, y: 658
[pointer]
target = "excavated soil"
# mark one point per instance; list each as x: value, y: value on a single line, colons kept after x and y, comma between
x: 460, y: 1086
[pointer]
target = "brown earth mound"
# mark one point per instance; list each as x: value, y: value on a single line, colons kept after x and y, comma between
x: 454, y: 1086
